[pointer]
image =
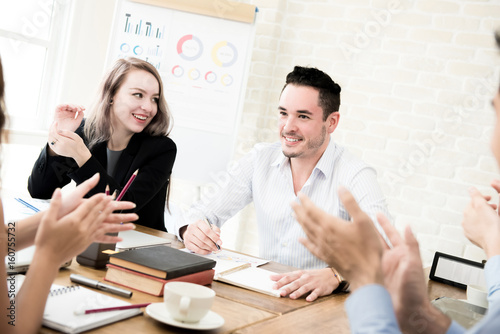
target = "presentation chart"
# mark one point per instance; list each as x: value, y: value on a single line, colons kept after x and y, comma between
x: 202, y: 61
x: 187, y: 54
x: 140, y: 27
x: 141, y: 33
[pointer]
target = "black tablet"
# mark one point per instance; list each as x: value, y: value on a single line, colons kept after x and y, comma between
x: 456, y: 271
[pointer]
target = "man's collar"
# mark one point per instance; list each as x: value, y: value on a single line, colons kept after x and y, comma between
x: 324, y: 165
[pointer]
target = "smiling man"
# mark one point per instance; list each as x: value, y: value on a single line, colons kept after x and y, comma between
x: 271, y: 175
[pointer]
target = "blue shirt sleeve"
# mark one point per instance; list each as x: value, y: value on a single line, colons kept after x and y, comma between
x: 370, y: 310
x: 491, y: 322
x: 492, y: 275
x: 455, y: 328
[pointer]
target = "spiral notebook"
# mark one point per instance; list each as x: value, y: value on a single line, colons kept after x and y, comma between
x: 62, y: 303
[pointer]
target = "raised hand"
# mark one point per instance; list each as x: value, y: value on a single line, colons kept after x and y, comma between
x: 68, y: 144
x: 352, y: 248
x: 404, y: 279
x: 481, y: 223
x: 68, y: 116
x: 63, y: 238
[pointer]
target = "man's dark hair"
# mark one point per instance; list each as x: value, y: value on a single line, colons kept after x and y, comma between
x: 329, y: 91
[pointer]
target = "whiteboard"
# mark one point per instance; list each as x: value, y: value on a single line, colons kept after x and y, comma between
x: 203, y: 62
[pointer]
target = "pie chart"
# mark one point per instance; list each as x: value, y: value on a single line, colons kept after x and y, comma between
x: 224, y: 54
x: 189, y: 47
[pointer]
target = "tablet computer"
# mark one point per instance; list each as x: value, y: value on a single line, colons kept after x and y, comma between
x: 457, y: 271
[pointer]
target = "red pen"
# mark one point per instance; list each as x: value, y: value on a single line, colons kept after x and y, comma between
x: 124, y: 190
x: 107, y: 190
x: 106, y: 309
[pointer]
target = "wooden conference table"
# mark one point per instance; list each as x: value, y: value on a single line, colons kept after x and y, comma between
x: 244, y: 311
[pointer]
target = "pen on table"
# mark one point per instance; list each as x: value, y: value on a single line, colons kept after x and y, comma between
x: 26, y: 204
x: 233, y: 270
x: 129, y: 182
x: 210, y: 225
x: 99, y: 285
x: 115, y: 308
x: 107, y: 190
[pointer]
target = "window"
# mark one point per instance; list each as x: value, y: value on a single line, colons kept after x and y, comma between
x: 31, y: 40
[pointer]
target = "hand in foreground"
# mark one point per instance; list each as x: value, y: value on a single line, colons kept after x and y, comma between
x: 72, y: 200
x: 200, y: 238
x: 317, y: 283
x: 354, y: 248
x: 481, y: 222
x: 495, y: 184
x: 404, y: 279
x: 63, y: 238
x: 69, y: 116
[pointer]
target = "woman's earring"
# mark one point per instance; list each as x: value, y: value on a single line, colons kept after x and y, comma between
x: 111, y: 101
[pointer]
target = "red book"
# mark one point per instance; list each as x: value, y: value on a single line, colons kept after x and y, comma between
x: 150, y: 284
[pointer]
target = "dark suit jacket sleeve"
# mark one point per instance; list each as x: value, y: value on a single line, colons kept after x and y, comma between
x: 153, y: 156
x: 153, y: 174
x: 49, y: 173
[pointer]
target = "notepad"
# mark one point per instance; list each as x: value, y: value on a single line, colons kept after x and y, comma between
x: 251, y: 278
x: 62, y: 303
x: 241, y: 270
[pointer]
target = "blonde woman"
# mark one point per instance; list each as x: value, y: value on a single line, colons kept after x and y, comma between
x: 127, y: 130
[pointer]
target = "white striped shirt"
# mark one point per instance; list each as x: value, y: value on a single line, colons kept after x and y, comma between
x: 264, y: 176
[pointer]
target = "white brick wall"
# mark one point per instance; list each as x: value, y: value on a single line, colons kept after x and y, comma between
x: 417, y: 77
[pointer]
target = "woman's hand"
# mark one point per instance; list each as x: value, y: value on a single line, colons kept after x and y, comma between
x: 68, y: 116
x: 68, y: 144
x: 63, y: 238
x: 72, y: 200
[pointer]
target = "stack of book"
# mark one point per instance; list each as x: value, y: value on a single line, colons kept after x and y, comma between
x: 148, y: 269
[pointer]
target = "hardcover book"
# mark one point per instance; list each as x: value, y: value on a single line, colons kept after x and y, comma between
x: 161, y: 261
x: 150, y: 284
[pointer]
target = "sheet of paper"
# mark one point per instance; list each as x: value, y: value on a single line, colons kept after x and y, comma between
x: 16, y: 208
x: 256, y: 279
x: 227, y: 260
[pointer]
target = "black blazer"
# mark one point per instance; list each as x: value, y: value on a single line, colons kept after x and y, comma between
x: 153, y: 156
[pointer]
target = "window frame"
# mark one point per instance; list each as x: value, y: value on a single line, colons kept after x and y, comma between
x: 52, y: 72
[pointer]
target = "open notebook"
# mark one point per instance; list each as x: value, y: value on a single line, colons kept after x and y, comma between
x: 62, y: 303
x: 241, y: 270
x: 252, y: 278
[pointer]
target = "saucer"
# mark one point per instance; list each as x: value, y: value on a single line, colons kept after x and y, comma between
x: 158, y: 311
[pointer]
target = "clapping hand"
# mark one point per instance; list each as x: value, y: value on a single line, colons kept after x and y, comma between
x: 481, y: 222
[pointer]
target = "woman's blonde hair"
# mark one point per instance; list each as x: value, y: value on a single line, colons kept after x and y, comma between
x: 98, y: 127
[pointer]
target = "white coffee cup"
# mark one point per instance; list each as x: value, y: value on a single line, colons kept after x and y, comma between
x: 477, y: 295
x: 187, y: 302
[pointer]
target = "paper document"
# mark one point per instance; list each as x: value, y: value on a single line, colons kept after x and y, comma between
x: 241, y: 270
x: 227, y: 260
x: 17, y: 208
x: 256, y: 279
